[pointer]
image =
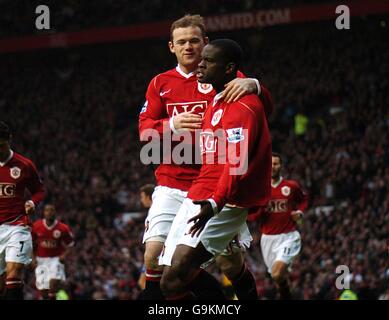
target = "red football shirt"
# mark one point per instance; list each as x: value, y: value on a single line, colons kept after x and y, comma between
x: 169, y: 94
x: 286, y: 196
x: 51, y: 241
x: 237, y: 132
x: 17, y: 175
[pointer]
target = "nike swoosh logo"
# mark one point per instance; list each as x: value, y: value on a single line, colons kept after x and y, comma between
x: 164, y: 92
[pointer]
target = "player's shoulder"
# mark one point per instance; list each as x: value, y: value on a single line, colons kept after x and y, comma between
x: 291, y: 183
x: 37, y: 224
x: 62, y: 225
x: 249, y: 104
x: 22, y: 160
x: 161, y: 78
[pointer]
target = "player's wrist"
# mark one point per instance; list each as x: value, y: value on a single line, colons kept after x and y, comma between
x: 172, y: 127
x: 214, y: 206
x: 258, y: 85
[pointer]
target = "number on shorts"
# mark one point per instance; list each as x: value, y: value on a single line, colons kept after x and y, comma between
x: 286, y: 250
x: 22, y: 245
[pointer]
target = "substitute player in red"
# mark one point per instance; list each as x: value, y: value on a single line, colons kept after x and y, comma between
x: 17, y: 174
x: 52, y: 240
x: 235, y: 175
x: 280, y: 241
x: 176, y: 101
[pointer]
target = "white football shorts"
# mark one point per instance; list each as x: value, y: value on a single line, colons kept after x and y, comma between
x: 280, y: 247
x: 15, y: 245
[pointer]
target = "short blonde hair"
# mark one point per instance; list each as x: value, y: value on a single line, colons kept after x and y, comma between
x: 189, y: 20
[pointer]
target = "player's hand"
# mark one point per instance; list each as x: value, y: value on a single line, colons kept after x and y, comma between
x: 187, y: 121
x: 29, y: 207
x: 201, y: 219
x: 238, y: 88
x: 62, y: 259
x: 297, y: 216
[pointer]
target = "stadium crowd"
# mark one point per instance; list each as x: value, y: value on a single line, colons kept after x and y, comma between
x: 75, y: 114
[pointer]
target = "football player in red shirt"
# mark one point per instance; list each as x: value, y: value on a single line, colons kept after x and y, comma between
x: 175, y: 102
x: 235, y: 175
x: 280, y: 241
x: 52, y: 240
x: 17, y: 174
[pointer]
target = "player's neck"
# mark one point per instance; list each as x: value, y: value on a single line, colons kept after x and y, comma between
x: 275, y: 181
x: 49, y: 223
x: 6, y: 157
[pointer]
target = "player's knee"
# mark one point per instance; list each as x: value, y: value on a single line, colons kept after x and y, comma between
x: 170, y: 283
x: 230, y: 267
x: 278, y: 275
x: 151, y: 260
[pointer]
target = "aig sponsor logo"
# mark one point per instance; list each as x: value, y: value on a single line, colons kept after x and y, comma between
x: 7, y: 190
x: 208, y: 143
x: 198, y: 107
x: 280, y: 205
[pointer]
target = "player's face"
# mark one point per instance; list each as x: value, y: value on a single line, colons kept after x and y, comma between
x: 4, y: 149
x: 49, y: 212
x: 145, y: 200
x: 187, y: 44
x: 211, y: 69
x: 275, y: 167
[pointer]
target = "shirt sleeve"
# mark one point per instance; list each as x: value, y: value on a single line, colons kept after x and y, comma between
x: 153, y: 114
x: 35, y: 185
x: 68, y: 238
x: 301, y: 198
x: 241, y: 129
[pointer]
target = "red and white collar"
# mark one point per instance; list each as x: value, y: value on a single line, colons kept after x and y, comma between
x: 275, y: 185
x: 185, y: 75
x: 217, y: 98
x: 51, y: 227
x: 11, y: 154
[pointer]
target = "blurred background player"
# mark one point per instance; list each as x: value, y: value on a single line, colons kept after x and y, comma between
x: 280, y: 241
x: 52, y: 242
x: 17, y: 174
x: 145, y: 196
x: 176, y: 101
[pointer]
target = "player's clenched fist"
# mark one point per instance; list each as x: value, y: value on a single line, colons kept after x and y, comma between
x: 187, y: 121
x: 29, y: 206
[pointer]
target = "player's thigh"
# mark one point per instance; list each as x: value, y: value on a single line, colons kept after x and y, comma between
x: 279, y: 270
x: 268, y: 243
x: 18, y: 250
x: 288, y: 248
x: 42, y: 274
x: 231, y: 264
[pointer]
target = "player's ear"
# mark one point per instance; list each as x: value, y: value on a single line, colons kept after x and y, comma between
x: 171, y: 46
x: 206, y: 40
x: 230, y: 67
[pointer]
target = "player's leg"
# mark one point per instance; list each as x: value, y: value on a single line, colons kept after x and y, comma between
x: 232, y: 263
x: 279, y: 274
x: 152, y: 289
x: 234, y: 267
x: 286, y: 247
x: 14, y: 281
x: 185, y: 266
x: 2, y: 286
x: 54, y: 287
x: 166, y: 203
x: 17, y: 254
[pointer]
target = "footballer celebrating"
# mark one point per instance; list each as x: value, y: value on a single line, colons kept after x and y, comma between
x: 236, y: 152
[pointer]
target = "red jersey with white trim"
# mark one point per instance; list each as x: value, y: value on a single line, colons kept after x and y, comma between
x: 51, y: 241
x: 17, y: 175
x: 237, y: 132
x: 286, y: 196
x: 169, y: 94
